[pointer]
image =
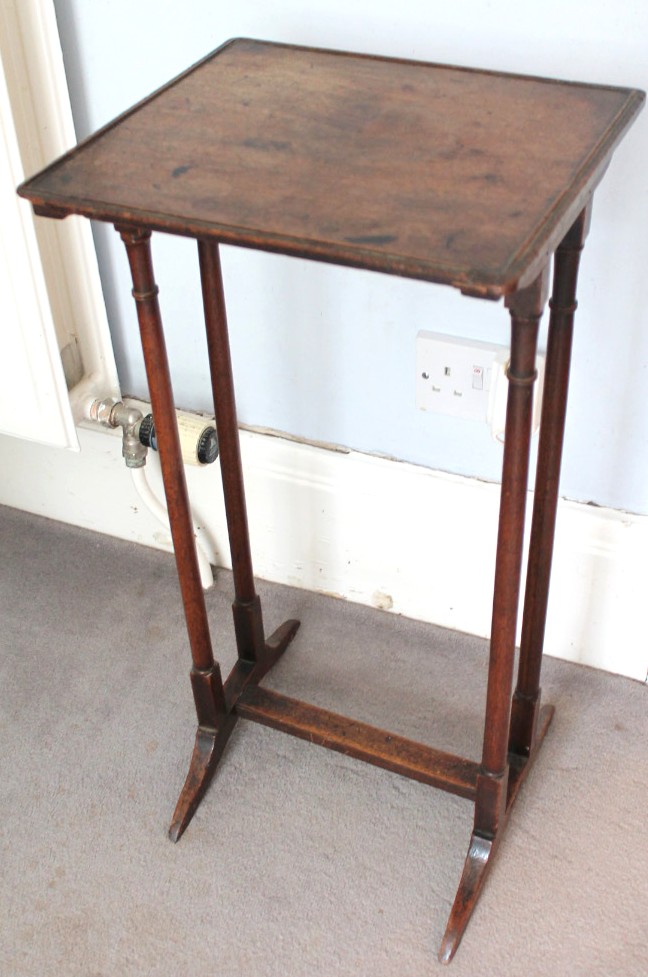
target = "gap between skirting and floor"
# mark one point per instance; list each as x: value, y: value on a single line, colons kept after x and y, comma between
x: 404, y: 538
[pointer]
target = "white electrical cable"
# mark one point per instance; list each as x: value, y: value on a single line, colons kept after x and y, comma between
x: 151, y: 501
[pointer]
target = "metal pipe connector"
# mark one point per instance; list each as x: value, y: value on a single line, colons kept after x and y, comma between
x: 129, y: 419
x: 100, y: 410
x: 115, y: 413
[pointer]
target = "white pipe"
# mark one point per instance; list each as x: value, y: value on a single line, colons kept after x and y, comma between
x: 151, y: 501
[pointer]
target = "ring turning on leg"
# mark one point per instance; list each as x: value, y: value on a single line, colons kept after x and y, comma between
x: 496, y: 780
x: 526, y: 700
x: 214, y: 701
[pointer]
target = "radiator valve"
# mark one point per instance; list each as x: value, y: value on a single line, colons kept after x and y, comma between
x: 198, y: 438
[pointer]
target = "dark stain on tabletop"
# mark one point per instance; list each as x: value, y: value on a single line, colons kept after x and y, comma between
x: 372, y: 239
x: 256, y: 142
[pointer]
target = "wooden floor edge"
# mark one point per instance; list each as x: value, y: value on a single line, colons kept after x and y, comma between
x: 364, y: 742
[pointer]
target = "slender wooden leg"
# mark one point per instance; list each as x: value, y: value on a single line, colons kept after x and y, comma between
x: 214, y: 725
x: 526, y: 308
x: 493, y: 789
x: 248, y: 620
x: 526, y: 700
x: 256, y: 655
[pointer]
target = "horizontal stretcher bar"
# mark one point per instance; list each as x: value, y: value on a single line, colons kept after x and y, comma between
x: 368, y: 743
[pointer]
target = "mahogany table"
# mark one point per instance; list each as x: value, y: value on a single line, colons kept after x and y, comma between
x: 463, y: 177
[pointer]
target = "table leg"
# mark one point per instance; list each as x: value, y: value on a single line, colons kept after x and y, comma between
x: 214, y: 700
x: 214, y: 723
x: 526, y: 700
x: 494, y: 792
x: 256, y: 654
x: 248, y: 620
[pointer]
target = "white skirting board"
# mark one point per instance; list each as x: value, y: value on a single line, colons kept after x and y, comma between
x: 396, y: 536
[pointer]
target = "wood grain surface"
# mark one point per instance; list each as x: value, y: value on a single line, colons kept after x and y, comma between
x: 449, y: 174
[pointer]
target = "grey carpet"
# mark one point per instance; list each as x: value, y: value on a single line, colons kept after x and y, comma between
x: 300, y: 862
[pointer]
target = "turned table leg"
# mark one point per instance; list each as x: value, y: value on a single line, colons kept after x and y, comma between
x: 526, y: 700
x: 494, y: 792
x: 214, y: 700
x: 256, y: 654
x: 214, y: 725
x: 248, y: 620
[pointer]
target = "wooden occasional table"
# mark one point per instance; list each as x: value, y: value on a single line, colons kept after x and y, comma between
x: 468, y: 178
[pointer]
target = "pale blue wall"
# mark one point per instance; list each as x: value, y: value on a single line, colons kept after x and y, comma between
x: 328, y: 353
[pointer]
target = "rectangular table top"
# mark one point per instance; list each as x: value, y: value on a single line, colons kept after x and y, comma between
x: 453, y: 175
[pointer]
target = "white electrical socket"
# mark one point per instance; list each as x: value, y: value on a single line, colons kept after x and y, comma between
x: 453, y: 376
x: 467, y: 378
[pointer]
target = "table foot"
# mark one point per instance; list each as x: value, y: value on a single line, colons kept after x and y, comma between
x: 208, y: 750
x: 472, y: 880
x: 277, y: 643
x: 211, y: 740
x: 247, y: 673
x: 482, y: 850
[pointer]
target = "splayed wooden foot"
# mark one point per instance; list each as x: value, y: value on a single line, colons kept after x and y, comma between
x: 208, y: 750
x: 212, y: 737
x: 481, y: 850
x: 475, y: 868
x: 275, y: 646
